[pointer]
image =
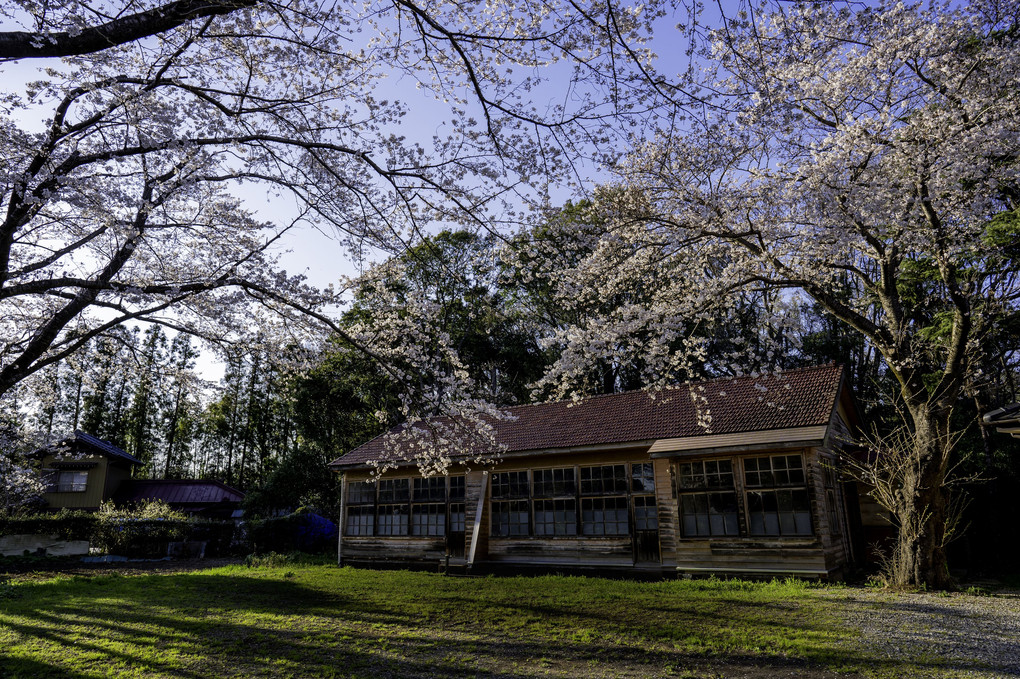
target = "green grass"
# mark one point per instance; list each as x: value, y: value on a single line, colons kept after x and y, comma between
x: 300, y: 620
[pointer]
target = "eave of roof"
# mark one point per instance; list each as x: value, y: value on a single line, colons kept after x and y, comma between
x: 1006, y: 420
x: 104, y: 447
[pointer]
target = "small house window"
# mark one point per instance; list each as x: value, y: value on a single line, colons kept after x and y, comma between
x: 67, y: 482
x: 457, y: 504
x: 510, y: 485
x: 556, y: 512
x: 556, y: 517
x: 610, y: 479
x: 511, y: 517
x: 361, y: 508
x: 642, y: 479
x: 428, y: 519
x: 778, y: 502
x: 361, y: 520
x: 361, y: 493
x: 646, y: 516
x: 604, y: 515
x: 555, y: 482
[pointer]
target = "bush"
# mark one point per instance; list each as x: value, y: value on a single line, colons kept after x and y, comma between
x: 69, y: 525
x: 218, y: 536
x: 302, y: 531
x: 142, y: 531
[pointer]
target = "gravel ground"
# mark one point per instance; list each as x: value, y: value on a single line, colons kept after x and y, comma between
x: 956, y: 635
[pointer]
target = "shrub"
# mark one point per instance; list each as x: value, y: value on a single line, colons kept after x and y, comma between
x: 142, y: 531
x: 145, y: 530
x: 218, y: 536
x: 275, y: 560
x: 69, y: 525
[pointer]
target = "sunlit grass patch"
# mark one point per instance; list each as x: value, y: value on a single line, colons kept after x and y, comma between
x: 295, y: 619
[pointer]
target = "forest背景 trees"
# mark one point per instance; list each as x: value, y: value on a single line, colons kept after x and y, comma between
x: 867, y: 159
x: 129, y: 163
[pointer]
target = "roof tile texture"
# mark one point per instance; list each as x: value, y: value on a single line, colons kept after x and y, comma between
x: 795, y: 398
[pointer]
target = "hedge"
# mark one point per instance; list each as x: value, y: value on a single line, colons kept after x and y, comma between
x: 138, y: 537
x: 123, y: 535
x: 66, y: 524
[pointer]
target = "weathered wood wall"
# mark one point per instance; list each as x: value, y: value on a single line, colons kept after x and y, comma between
x: 824, y: 552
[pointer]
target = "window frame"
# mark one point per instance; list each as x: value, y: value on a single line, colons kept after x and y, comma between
x: 393, y: 511
x: 54, y: 484
x: 706, y: 488
x: 777, y: 486
x: 561, y: 497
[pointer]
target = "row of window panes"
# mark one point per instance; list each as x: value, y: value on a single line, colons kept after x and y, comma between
x: 609, y: 479
x: 421, y: 520
x: 759, y: 472
x: 769, y: 512
x: 405, y: 506
x: 598, y: 516
x: 773, y: 471
x: 394, y: 491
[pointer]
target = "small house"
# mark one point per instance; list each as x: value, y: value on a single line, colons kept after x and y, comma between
x: 83, y: 471
x: 728, y: 476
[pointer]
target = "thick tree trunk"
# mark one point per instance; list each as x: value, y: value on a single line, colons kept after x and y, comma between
x: 919, y: 559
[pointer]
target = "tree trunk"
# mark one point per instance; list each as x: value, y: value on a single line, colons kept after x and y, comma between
x: 919, y: 558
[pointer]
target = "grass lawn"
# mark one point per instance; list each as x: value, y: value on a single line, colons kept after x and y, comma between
x: 323, y: 621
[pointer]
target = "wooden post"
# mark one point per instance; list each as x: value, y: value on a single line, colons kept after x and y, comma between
x: 343, y: 521
x: 476, y: 529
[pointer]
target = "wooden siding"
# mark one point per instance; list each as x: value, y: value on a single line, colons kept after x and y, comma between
x: 92, y: 496
x: 666, y: 503
x: 820, y: 554
x: 423, y: 550
x: 801, y: 556
x: 563, y: 551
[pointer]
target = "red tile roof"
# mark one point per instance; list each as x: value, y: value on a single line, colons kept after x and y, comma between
x: 795, y: 398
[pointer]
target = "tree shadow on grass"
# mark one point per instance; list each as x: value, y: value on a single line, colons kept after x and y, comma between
x: 208, y: 625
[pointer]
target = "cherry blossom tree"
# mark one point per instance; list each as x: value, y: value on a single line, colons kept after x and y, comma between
x: 865, y: 158
x: 126, y: 166
x: 21, y: 483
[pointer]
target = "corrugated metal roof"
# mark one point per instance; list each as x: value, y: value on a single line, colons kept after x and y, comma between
x: 795, y: 398
x: 177, y: 492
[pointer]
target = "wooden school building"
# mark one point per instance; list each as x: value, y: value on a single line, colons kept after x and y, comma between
x: 631, y: 482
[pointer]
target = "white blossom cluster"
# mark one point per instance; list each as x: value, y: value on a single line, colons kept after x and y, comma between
x: 441, y: 413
